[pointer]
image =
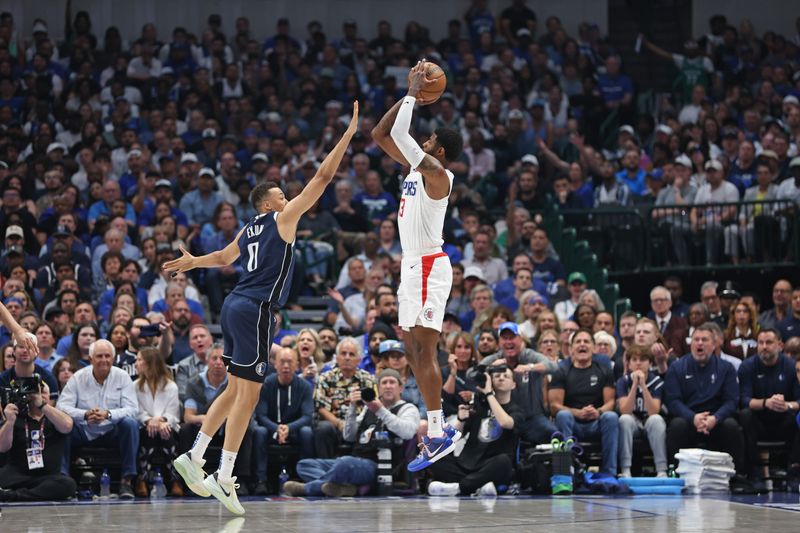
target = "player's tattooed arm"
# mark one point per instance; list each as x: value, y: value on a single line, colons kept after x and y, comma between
x: 437, y: 183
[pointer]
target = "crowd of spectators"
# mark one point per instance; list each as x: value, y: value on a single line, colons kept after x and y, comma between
x: 115, y: 154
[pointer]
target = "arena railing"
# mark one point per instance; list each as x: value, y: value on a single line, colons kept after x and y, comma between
x: 665, y: 238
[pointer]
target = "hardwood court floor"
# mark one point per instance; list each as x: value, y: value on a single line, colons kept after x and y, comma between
x: 779, y: 513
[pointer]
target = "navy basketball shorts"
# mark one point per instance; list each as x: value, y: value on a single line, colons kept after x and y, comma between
x: 248, y: 327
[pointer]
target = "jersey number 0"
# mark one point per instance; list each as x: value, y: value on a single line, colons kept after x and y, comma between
x: 252, y: 261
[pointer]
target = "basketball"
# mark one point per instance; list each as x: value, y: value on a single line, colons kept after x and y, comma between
x: 433, y: 92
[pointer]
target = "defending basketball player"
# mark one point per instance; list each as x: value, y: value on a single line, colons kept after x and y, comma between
x: 426, y: 273
x: 266, y: 245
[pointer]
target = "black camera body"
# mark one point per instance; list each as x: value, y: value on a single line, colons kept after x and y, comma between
x: 481, y: 370
x: 19, y: 391
x: 151, y: 330
x: 368, y: 394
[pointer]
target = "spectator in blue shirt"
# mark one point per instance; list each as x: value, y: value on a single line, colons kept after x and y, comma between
x: 374, y: 201
x: 631, y: 175
x: 110, y: 193
x: 616, y: 88
x: 199, y: 204
x: 701, y: 394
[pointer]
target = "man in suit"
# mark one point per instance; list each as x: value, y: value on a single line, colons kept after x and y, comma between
x: 672, y: 327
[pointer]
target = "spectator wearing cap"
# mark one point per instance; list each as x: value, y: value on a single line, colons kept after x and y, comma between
x: 582, y: 397
x: 673, y: 222
x: 529, y: 368
x: 15, y: 238
x: 654, y: 183
x: 362, y: 425
x: 259, y: 164
x: 712, y: 220
x: 576, y: 284
x: 393, y: 356
x: 199, y: 204
x: 130, y: 181
x: 283, y: 414
x: 162, y: 193
x: 493, y: 268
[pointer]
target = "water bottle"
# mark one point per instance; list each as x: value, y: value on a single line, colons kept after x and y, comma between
x: 105, y: 484
x: 282, y: 479
x: 384, y: 463
x: 159, y: 491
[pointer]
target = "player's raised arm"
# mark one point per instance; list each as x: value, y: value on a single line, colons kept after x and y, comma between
x: 289, y: 217
x: 429, y: 166
x: 217, y: 259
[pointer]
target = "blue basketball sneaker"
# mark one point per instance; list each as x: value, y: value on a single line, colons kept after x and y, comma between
x: 433, y: 449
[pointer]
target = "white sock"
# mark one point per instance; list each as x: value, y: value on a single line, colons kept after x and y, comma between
x: 226, y: 462
x: 626, y: 472
x: 435, y: 424
x: 199, y: 447
x: 661, y: 473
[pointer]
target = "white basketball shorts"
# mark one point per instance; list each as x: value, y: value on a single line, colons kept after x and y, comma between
x: 425, y: 282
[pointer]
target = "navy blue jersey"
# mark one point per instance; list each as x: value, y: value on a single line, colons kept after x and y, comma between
x: 266, y: 260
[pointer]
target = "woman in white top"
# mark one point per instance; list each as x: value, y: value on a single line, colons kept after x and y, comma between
x: 159, y: 414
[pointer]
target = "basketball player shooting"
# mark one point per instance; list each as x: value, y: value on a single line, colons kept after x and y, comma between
x: 266, y: 246
x: 426, y: 273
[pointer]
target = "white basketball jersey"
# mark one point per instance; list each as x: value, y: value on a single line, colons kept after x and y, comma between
x: 420, y: 219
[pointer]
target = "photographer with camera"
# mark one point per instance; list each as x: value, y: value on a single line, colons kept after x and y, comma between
x: 33, y: 434
x: 386, y: 419
x: 487, y: 459
x: 529, y: 368
x: 25, y: 367
x: 332, y: 396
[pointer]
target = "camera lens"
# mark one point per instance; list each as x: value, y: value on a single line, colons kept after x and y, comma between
x: 368, y: 394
